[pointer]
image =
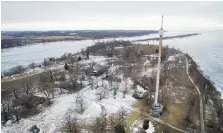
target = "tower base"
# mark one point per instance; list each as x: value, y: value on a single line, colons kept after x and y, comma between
x: 157, y: 109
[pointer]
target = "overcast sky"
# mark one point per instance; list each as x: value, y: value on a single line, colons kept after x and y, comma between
x: 111, y: 15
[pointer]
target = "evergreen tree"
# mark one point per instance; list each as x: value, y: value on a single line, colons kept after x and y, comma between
x: 119, y: 129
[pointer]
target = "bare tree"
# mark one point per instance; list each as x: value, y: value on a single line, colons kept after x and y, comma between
x: 69, y: 120
x: 74, y: 123
x: 91, y: 82
x: 101, y: 122
x: 48, y: 90
x: 32, y: 65
x: 111, y: 77
x: 96, y: 83
x: 15, y: 94
x: 110, y: 81
x: 220, y: 119
x: 125, y: 88
x: 87, y: 52
x: 100, y: 93
x: 46, y: 62
x: 60, y: 76
x: 82, y: 52
x: 115, y: 88
x: 153, y: 62
x: 80, y: 103
x: 27, y: 87
x: 122, y: 116
x: 77, y: 69
x: 72, y: 61
x: 51, y: 76
x: 73, y: 81
x: 152, y: 81
x: 16, y: 112
x: 5, y: 110
x: 92, y: 64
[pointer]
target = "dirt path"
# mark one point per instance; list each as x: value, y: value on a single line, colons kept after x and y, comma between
x: 200, y: 99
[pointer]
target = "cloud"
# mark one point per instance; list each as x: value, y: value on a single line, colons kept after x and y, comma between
x: 111, y: 15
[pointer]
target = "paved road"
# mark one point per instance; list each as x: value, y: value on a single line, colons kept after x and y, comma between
x: 200, y: 98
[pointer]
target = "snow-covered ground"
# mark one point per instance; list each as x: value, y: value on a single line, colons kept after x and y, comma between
x: 52, y: 118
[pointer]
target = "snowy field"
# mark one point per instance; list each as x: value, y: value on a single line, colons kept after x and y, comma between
x: 52, y: 118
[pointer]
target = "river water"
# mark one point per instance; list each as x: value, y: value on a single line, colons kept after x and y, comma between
x: 205, y: 49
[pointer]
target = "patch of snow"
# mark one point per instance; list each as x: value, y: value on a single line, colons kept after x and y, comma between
x: 97, y: 59
x: 147, y: 72
x: 172, y: 58
x: 53, y: 117
x: 139, y: 124
x: 154, y: 55
x: 151, y: 128
x: 147, y: 63
x: 118, y: 48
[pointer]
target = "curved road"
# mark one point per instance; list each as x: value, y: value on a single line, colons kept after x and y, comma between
x: 200, y: 99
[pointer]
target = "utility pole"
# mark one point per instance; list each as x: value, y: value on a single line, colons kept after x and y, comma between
x: 157, y: 107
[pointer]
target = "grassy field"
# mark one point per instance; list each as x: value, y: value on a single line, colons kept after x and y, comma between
x: 7, y: 87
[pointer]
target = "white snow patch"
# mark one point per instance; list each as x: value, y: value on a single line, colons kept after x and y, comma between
x: 147, y: 72
x: 172, y: 58
x: 151, y: 128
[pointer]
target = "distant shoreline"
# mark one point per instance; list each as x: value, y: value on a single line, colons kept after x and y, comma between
x: 168, y: 37
x: 22, y: 38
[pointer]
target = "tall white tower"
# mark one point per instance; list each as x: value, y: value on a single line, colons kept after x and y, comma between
x: 156, y: 107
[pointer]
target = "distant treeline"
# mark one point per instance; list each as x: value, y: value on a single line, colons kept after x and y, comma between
x: 20, y: 38
x: 86, y: 33
x: 168, y: 37
x: 108, y: 45
x: 16, y: 42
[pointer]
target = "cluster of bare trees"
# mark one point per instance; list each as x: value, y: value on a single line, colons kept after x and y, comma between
x: 59, y: 76
x: 9, y: 111
x: 165, y: 53
x: 150, y: 82
x: 24, y: 99
x: 132, y: 55
x: 73, y: 81
x: 121, y: 121
x: 101, y: 122
x: 46, y: 87
x: 28, y: 88
x: 108, y: 45
x: 125, y: 89
x: 14, y: 70
x: 46, y: 62
x: 102, y: 93
x: 71, y: 122
x: 80, y: 103
x: 85, y: 52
